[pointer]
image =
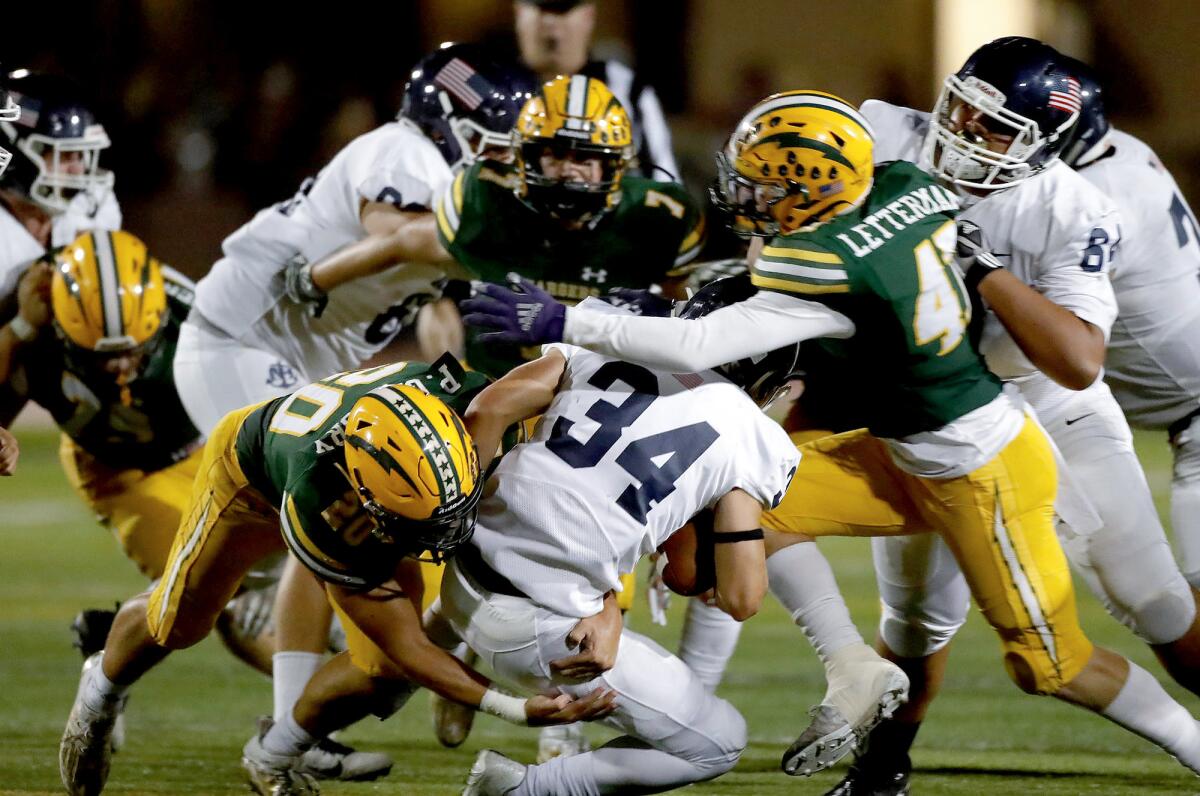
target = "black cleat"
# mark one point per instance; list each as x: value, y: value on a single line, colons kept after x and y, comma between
x: 867, y: 778
x: 89, y: 629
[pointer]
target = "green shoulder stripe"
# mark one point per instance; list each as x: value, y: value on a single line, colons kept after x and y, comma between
x: 449, y: 210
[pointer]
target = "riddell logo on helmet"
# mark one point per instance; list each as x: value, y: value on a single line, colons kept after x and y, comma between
x: 987, y: 89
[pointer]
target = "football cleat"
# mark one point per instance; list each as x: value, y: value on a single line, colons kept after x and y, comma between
x: 332, y: 760
x: 860, y: 695
x: 862, y: 780
x: 452, y: 721
x: 89, y: 632
x: 274, y: 775
x: 493, y: 774
x: 85, y: 752
x: 562, y: 740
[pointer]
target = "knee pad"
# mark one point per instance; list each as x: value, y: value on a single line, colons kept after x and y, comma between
x: 1166, y: 615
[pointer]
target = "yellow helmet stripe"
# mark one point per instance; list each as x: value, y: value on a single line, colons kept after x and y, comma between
x: 109, y: 279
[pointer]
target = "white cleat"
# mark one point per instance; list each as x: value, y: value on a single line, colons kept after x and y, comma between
x: 493, y: 774
x: 861, y: 693
x: 332, y: 760
x: 561, y: 740
x: 85, y: 752
x: 451, y: 721
x: 274, y: 775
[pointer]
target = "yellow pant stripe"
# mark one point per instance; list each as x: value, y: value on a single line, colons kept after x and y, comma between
x: 1028, y: 597
x: 164, y: 590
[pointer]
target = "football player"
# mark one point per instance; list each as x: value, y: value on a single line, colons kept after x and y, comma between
x: 1152, y: 367
x: 364, y: 471
x: 996, y: 134
x: 245, y: 341
x: 53, y: 187
x: 534, y: 566
x: 865, y: 257
x: 9, y: 112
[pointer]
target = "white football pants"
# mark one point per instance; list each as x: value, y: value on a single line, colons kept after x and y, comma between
x: 676, y: 732
x: 1185, y: 499
x: 1127, y: 563
x: 216, y: 374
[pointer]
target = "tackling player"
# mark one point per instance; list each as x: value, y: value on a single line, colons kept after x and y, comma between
x: 245, y: 341
x: 366, y: 471
x: 593, y: 471
x: 946, y: 449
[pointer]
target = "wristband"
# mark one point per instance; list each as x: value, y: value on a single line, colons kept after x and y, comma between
x: 738, y: 536
x: 503, y: 706
x: 22, y: 329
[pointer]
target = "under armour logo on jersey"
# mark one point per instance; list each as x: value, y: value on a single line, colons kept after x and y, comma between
x: 527, y: 314
x: 599, y: 275
x: 282, y: 375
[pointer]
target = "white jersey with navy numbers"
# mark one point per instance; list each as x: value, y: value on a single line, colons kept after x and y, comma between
x: 18, y: 248
x: 243, y: 293
x: 623, y: 458
x: 1054, y: 231
x: 1153, y: 363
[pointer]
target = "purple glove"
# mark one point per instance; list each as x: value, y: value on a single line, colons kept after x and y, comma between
x: 639, y: 301
x: 522, y: 313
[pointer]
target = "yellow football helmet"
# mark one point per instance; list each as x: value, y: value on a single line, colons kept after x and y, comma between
x: 577, y: 118
x: 415, y: 468
x: 797, y: 159
x: 107, y: 294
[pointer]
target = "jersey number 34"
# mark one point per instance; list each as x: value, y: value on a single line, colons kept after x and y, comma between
x: 681, y: 446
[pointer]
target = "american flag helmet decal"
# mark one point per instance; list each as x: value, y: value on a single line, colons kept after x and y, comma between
x: 457, y: 76
x: 1069, y: 100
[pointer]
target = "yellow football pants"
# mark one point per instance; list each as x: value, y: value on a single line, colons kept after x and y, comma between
x: 141, y: 509
x: 998, y: 521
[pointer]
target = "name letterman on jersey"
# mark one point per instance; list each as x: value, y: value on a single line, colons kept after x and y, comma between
x: 905, y: 211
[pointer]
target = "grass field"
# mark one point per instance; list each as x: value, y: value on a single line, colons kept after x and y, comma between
x: 188, y: 720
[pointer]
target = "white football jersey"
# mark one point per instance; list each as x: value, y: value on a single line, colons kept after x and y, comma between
x: 243, y: 293
x: 18, y: 248
x: 1054, y: 231
x: 1153, y: 363
x: 623, y: 458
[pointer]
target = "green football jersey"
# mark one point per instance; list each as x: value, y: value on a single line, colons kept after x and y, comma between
x: 889, y: 267
x: 142, y: 425
x: 291, y: 450
x: 655, y: 229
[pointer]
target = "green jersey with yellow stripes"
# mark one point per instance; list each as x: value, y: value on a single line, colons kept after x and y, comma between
x: 888, y: 265
x: 291, y: 450
x: 654, y: 229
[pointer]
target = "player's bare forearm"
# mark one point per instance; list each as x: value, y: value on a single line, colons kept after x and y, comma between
x: 741, y: 566
x: 393, y: 237
x: 1059, y: 343
x: 521, y: 393
x: 388, y: 617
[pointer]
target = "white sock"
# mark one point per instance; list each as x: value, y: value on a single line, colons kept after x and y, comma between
x: 709, y: 638
x: 287, y: 738
x: 1144, y: 708
x: 800, y: 578
x: 290, y: 672
x: 98, y: 691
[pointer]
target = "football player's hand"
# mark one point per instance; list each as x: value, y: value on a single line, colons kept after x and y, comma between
x: 974, y: 259
x: 33, y: 295
x: 639, y: 301
x: 562, y: 709
x: 299, y: 288
x: 521, y: 313
x: 657, y: 592
x: 598, y: 638
x: 9, y: 452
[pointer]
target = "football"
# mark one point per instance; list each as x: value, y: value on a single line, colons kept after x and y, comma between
x: 690, y: 568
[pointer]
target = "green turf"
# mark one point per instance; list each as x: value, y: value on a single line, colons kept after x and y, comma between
x: 188, y: 719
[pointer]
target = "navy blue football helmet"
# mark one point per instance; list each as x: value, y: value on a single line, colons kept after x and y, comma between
x: 764, y: 376
x: 1089, y: 136
x: 55, y: 142
x: 9, y: 112
x: 1014, y: 86
x: 466, y: 100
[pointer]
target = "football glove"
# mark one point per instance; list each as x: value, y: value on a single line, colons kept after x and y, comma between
x: 521, y: 313
x: 299, y: 287
x: 639, y: 301
x: 974, y: 259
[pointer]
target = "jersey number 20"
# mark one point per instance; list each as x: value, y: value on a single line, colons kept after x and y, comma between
x: 681, y: 446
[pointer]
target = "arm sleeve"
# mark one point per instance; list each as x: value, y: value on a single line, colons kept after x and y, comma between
x: 764, y: 322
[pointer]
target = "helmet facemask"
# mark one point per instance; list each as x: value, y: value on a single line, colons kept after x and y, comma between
x: 10, y: 111
x: 55, y: 186
x: 435, y: 539
x: 568, y: 199
x: 749, y: 204
x: 964, y: 158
